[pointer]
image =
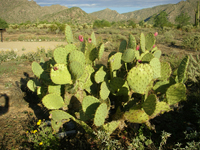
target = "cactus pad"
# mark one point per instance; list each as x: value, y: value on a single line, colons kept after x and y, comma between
x: 149, y: 105
x: 147, y: 57
x: 93, y: 39
x: 142, y: 42
x: 157, y: 53
x: 100, y: 75
x: 149, y: 41
x: 115, y: 61
x: 116, y: 84
x: 59, y: 115
x: 182, y: 69
x: 131, y: 42
x: 104, y: 91
x: 122, y: 46
x: 52, y: 101
x: 160, y: 108
x: 76, y: 69
x: 165, y: 71
x: 101, y: 50
x: 69, y: 34
x: 156, y: 66
x: 128, y: 55
x: 100, y: 115
x: 111, y: 126
x: 77, y: 56
x: 139, y: 78
x: 136, y: 115
x: 60, y: 74
x: 176, y: 93
x: 60, y: 55
x: 56, y: 89
x: 89, y: 106
x: 33, y: 84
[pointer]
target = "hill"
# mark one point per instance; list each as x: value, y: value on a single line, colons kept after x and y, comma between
x: 172, y: 10
x: 110, y: 15
x: 17, y: 11
x: 73, y: 15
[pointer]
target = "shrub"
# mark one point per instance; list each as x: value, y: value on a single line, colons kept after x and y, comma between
x: 3, y: 24
x: 192, y: 42
x: 101, y: 24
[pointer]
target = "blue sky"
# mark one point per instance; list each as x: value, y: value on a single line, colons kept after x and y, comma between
x: 121, y: 6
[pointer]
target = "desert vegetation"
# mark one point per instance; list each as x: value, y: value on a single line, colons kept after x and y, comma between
x: 114, y: 85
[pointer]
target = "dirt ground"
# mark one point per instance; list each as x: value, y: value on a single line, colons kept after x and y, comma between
x: 25, y: 47
x: 17, y: 103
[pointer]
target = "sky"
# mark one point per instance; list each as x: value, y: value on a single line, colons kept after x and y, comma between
x: 121, y: 6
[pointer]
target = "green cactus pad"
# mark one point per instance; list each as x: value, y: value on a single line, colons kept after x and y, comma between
x: 60, y: 74
x: 53, y: 101
x: 86, y: 127
x: 88, y: 101
x: 91, y: 53
x: 157, y: 53
x: 93, y: 39
x: 115, y: 61
x: 149, y: 105
x: 116, y: 84
x: 176, y: 93
x: 70, y: 47
x: 161, y: 86
x: 85, y: 79
x: 100, y: 75
x: 101, y: 50
x: 111, y: 126
x: 147, y: 57
x: 33, y: 84
x: 56, y: 125
x: 37, y: 69
x: 149, y: 41
x: 131, y: 42
x: 165, y: 71
x: 69, y: 34
x: 154, y: 49
x: 56, y: 89
x: 59, y: 115
x: 128, y: 55
x: 77, y: 56
x: 142, y: 42
x: 104, y: 91
x: 156, y: 66
x: 139, y: 78
x: 100, y: 115
x: 182, y: 69
x: 89, y: 106
x: 122, y: 46
x: 136, y: 115
x: 60, y: 55
x: 160, y: 108
x: 76, y: 69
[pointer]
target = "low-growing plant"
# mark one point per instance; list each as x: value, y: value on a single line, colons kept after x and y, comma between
x: 192, y: 42
x: 42, y: 137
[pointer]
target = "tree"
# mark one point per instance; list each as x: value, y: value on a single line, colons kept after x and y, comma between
x: 3, y: 24
x: 182, y: 19
x: 161, y: 20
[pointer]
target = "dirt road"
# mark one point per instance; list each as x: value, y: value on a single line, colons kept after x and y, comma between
x: 25, y: 47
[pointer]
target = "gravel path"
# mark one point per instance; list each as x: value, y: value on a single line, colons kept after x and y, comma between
x: 25, y: 47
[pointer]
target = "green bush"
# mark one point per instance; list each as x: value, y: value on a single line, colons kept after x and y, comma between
x: 101, y: 24
x: 3, y: 24
x: 182, y: 20
x: 192, y: 42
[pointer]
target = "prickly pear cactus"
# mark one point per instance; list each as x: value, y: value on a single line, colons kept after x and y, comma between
x: 139, y: 77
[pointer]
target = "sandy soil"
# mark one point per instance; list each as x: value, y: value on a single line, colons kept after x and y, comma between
x: 25, y: 47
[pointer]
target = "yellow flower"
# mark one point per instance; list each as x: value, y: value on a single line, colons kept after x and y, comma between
x: 33, y: 131
x: 39, y: 122
x: 41, y: 143
x: 26, y: 131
